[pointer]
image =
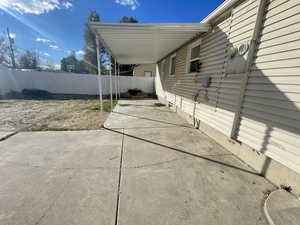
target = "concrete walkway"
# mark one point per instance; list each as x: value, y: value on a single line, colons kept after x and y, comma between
x: 148, y: 167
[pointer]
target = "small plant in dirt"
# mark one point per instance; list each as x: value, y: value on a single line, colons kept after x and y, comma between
x: 106, y: 106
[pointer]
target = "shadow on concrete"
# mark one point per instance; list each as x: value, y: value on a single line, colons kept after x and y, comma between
x: 184, y: 152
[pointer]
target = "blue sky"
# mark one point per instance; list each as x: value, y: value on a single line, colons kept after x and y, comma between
x: 55, y: 27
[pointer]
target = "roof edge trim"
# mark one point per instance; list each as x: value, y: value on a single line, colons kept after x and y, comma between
x: 219, y: 10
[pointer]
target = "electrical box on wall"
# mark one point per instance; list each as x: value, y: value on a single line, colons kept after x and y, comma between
x: 205, y: 81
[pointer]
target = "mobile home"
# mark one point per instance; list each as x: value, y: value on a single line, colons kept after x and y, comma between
x: 237, y: 78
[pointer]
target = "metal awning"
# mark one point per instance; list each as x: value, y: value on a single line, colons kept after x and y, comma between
x: 143, y: 43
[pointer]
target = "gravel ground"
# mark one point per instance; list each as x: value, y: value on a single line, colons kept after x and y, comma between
x: 42, y: 115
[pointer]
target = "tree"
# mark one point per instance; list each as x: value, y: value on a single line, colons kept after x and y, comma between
x: 90, y: 48
x: 72, y: 64
x: 4, y: 51
x: 126, y: 19
x: 127, y: 69
x: 29, y: 60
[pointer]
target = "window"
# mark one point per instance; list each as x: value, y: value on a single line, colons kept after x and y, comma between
x: 172, y: 69
x: 193, y: 61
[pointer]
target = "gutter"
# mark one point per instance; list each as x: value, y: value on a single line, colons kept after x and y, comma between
x: 219, y: 10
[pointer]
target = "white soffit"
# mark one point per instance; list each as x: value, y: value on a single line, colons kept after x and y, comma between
x: 145, y: 43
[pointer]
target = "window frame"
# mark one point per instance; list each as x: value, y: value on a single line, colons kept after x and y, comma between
x: 189, y: 54
x: 170, y: 66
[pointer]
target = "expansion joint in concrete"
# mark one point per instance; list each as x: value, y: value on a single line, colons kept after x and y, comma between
x: 119, y: 181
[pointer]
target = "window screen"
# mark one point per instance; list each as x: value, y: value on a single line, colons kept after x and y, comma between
x: 195, y: 52
x: 194, y: 62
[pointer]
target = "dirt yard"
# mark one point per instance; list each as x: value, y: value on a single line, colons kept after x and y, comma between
x: 42, y: 115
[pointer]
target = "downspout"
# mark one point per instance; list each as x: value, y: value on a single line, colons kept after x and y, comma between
x: 252, y: 48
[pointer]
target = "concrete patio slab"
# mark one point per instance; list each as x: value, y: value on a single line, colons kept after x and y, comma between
x: 59, y: 178
x: 151, y: 168
x: 161, y: 186
x: 143, y: 114
x: 283, y: 208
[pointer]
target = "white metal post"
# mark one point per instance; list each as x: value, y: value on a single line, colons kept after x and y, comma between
x: 116, y: 81
x: 110, y: 84
x: 119, y: 89
x: 99, y: 74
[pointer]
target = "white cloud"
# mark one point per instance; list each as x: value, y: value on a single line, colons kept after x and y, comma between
x: 67, y: 5
x: 34, y: 6
x: 50, y: 43
x: 12, y: 35
x: 80, y: 53
x: 53, y: 46
x: 46, y: 54
x: 133, y: 4
x: 38, y: 39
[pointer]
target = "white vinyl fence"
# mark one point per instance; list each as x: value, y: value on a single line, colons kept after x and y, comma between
x: 68, y: 83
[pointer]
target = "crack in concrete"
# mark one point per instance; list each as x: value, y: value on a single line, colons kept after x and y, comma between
x: 55, y: 200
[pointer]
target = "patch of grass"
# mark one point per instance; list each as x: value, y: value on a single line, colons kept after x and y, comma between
x: 106, y: 106
x: 159, y: 105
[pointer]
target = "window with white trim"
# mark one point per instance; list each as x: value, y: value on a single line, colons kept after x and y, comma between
x: 172, y: 68
x: 193, y: 58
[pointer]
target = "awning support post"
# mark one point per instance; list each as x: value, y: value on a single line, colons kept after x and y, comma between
x: 119, y: 89
x: 116, y: 81
x: 110, y: 83
x: 99, y: 74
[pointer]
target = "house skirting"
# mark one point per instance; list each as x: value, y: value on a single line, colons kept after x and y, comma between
x: 272, y: 170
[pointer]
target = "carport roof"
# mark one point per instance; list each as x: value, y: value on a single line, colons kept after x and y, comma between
x: 143, y: 43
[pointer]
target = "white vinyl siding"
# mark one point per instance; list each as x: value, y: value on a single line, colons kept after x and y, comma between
x: 270, y: 119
